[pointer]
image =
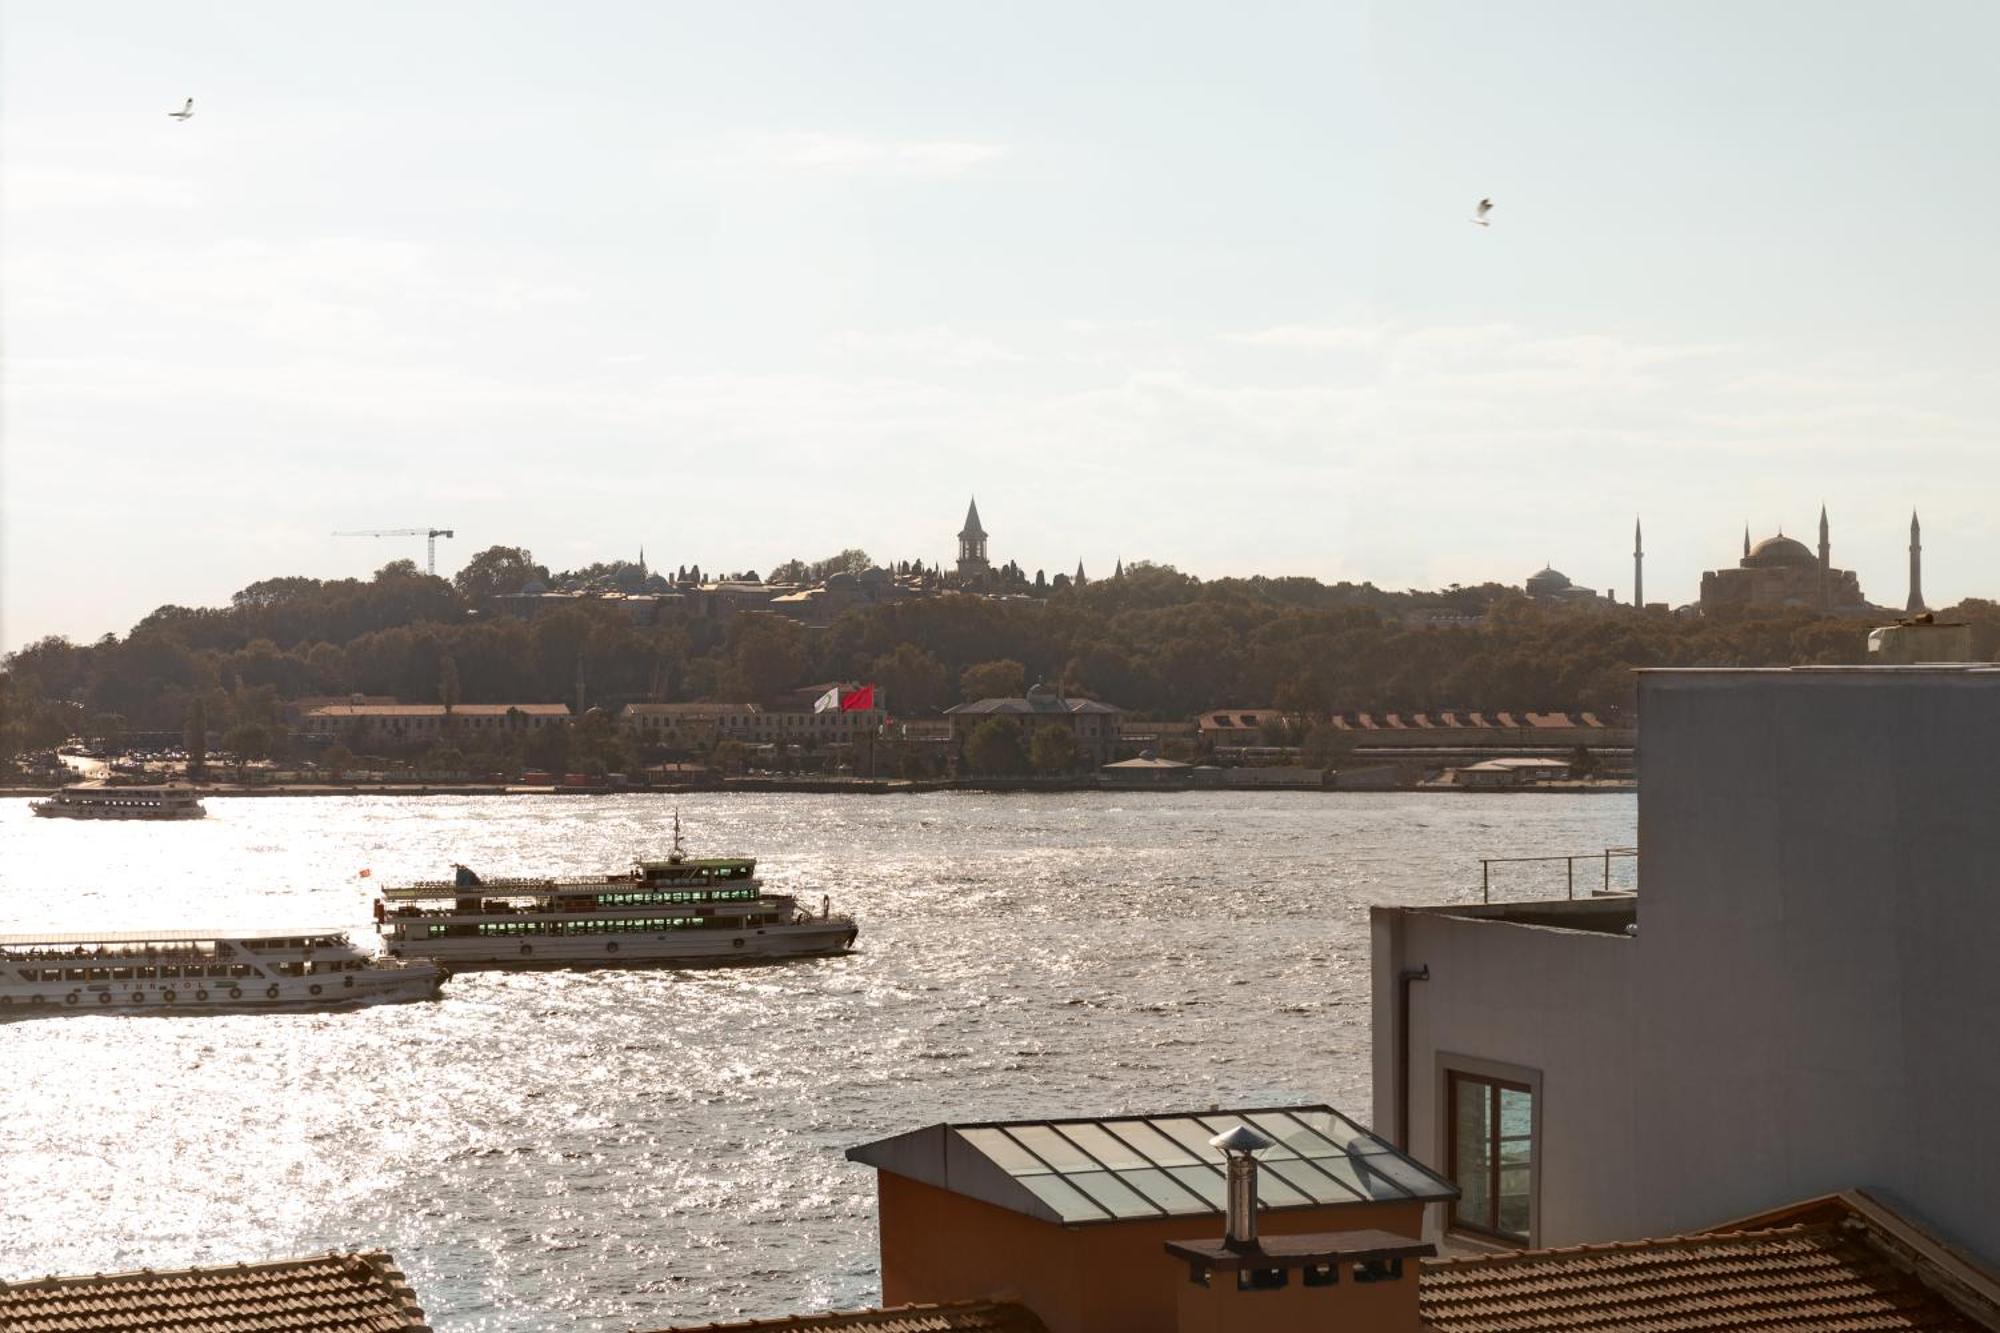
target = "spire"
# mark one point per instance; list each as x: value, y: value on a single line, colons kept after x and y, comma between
x: 972, y: 528
x: 1825, y: 563
x: 1119, y: 572
x: 1080, y: 580
x: 1916, y: 566
x: 1746, y: 541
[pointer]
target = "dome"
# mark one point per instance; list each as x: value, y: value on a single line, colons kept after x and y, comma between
x: 534, y: 587
x: 1780, y: 552
x: 1547, y: 581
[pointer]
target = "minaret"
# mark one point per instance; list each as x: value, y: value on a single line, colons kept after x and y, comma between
x: 1825, y: 564
x: 1916, y: 567
x: 1080, y: 580
x: 1746, y: 541
x: 1638, y: 568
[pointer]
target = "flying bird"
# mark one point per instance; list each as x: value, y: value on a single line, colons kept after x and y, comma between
x: 1479, y: 213
x: 187, y: 109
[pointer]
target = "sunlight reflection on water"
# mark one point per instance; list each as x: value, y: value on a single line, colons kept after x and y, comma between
x: 616, y: 1149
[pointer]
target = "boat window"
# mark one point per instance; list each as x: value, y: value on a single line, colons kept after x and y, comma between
x: 239, y: 969
x: 121, y: 974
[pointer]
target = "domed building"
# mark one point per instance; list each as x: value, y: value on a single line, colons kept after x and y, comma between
x: 1551, y: 586
x: 1783, y: 572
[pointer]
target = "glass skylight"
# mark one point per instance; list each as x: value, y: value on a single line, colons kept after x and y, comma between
x: 1162, y: 1166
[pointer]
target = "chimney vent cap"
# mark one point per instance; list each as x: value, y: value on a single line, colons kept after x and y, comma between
x: 1240, y: 1139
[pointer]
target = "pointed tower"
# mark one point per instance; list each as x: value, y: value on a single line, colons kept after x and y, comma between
x: 1638, y: 568
x: 1746, y: 541
x: 1079, y: 580
x: 1825, y: 563
x: 1119, y: 572
x: 1916, y: 567
x: 972, y: 564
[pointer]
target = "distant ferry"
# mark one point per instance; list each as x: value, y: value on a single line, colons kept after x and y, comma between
x: 192, y: 971
x: 682, y: 910
x: 121, y: 803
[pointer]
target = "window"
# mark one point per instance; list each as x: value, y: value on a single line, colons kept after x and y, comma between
x: 1379, y: 1270
x: 1321, y: 1275
x: 1491, y: 1154
x: 1260, y: 1279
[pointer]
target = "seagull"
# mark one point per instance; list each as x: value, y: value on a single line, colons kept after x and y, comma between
x: 187, y: 109
x: 1478, y: 214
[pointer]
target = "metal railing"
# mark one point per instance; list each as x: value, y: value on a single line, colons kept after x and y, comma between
x: 1606, y: 857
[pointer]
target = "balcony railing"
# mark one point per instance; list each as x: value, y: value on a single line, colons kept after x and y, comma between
x: 1597, y: 865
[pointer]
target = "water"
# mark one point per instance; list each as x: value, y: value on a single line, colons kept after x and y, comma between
x: 611, y: 1150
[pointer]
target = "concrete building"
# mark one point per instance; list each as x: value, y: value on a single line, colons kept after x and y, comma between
x: 1801, y: 998
x: 1093, y: 724
x: 406, y: 723
x: 689, y: 727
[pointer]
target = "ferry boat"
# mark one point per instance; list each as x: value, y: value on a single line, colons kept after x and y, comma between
x: 192, y: 971
x: 121, y: 803
x: 681, y: 910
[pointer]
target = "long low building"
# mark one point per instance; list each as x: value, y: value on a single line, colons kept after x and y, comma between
x: 417, y: 722
x: 701, y: 725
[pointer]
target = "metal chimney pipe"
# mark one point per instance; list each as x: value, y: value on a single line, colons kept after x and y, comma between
x: 1239, y: 1145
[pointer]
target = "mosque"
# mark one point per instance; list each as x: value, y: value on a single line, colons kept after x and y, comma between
x: 1783, y: 573
x: 1777, y: 573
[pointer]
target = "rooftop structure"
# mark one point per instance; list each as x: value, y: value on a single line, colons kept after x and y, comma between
x: 1073, y: 1217
x: 1802, y: 997
x: 955, y: 1317
x: 972, y: 562
x: 362, y: 1292
x: 1844, y: 1262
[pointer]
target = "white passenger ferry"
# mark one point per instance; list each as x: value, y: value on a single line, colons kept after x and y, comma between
x: 121, y: 803
x: 682, y: 910
x: 193, y: 971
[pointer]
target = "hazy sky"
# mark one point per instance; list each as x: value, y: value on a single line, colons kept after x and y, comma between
x: 1191, y: 283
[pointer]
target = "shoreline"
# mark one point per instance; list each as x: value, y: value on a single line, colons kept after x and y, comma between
x: 836, y: 787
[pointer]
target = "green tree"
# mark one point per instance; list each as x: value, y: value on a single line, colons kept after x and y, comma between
x: 912, y: 680
x: 766, y: 656
x: 107, y: 728
x: 195, y: 737
x: 247, y: 740
x: 1002, y: 679
x: 497, y: 570
x: 994, y: 748
x: 1054, y: 750
x: 338, y: 759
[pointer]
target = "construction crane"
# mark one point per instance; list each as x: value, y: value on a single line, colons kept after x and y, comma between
x: 431, y: 550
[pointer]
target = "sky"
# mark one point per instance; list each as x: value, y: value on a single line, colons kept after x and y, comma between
x: 1188, y: 283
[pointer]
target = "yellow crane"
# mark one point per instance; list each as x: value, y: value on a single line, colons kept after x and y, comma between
x: 431, y: 549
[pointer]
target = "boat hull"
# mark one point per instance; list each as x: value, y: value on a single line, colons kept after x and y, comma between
x: 683, y: 948
x: 398, y: 985
x: 50, y: 811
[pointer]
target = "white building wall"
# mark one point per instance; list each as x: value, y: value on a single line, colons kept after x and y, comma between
x: 1549, y: 1007
x: 1819, y: 851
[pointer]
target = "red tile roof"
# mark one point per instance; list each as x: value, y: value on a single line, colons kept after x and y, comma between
x: 957, y: 1317
x: 1841, y: 1263
x: 333, y: 1293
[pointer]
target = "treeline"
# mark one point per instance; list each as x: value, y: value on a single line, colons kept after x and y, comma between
x: 1154, y: 641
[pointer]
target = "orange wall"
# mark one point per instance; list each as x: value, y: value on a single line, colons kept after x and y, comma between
x: 1106, y: 1277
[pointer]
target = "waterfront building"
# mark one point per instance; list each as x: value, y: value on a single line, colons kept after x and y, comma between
x: 1780, y: 572
x: 358, y: 1292
x: 404, y: 723
x: 1093, y: 724
x: 689, y: 727
x: 972, y: 562
x: 1801, y: 996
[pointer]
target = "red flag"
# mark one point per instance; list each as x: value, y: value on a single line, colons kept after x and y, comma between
x: 366, y: 873
x: 858, y: 699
